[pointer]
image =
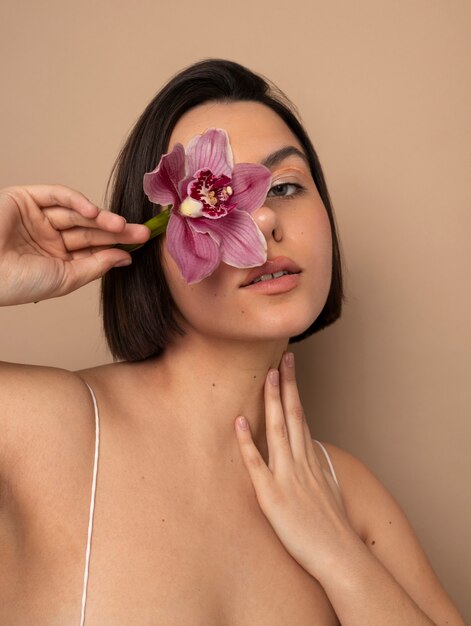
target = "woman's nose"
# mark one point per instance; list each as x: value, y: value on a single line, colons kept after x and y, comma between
x: 267, y: 220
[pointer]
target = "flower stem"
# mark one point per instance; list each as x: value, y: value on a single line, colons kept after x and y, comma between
x: 157, y: 225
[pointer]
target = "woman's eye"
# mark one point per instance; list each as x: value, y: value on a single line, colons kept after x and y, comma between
x: 284, y: 190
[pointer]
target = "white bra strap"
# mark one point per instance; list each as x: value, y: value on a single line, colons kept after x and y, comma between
x: 92, y: 507
x: 329, y: 462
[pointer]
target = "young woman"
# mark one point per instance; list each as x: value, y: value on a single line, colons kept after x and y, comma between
x: 131, y: 493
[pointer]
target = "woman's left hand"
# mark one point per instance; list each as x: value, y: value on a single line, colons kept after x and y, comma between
x: 292, y: 490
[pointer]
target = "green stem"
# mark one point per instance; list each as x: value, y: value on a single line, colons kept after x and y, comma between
x: 157, y: 225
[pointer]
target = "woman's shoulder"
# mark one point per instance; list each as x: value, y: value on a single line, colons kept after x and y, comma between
x: 372, y: 510
x: 39, y: 405
x: 24, y: 386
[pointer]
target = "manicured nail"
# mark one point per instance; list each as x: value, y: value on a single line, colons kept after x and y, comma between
x: 289, y: 359
x: 242, y: 422
x: 273, y: 377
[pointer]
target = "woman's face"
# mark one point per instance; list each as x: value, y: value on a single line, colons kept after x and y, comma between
x: 293, y: 220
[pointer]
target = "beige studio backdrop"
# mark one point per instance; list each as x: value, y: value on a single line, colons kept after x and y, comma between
x: 384, y: 90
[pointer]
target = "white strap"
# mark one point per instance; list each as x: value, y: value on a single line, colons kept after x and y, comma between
x: 92, y: 507
x: 329, y: 462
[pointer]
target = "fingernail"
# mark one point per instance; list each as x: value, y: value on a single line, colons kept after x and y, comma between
x: 273, y: 377
x: 289, y: 359
x: 123, y: 263
x: 242, y: 422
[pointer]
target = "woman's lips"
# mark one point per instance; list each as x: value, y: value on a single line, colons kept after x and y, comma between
x: 277, y: 275
x: 274, y: 286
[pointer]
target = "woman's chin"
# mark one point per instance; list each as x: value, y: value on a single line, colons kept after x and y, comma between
x: 271, y: 331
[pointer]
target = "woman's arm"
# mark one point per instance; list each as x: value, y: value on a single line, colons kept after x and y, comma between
x: 388, y: 583
x: 389, y: 569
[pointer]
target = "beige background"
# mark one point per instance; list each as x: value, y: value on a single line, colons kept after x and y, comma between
x: 384, y: 89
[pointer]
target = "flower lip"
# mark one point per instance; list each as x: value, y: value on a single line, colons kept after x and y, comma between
x: 278, y: 264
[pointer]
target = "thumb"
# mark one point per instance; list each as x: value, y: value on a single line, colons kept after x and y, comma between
x: 87, y: 269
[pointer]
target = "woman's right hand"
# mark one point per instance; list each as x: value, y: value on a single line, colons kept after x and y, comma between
x: 53, y: 240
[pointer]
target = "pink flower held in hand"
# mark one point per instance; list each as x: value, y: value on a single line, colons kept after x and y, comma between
x: 211, y: 202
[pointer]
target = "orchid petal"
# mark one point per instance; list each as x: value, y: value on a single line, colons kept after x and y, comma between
x: 250, y: 185
x: 196, y: 254
x: 162, y: 184
x: 211, y: 151
x: 241, y: 241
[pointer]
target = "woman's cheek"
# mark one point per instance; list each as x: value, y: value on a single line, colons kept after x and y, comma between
x: 315, y: 239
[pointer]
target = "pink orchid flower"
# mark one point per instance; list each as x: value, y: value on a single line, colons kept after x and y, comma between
x: 211, y: 201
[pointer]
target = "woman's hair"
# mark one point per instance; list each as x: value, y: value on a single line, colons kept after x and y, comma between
x: 139, y: 314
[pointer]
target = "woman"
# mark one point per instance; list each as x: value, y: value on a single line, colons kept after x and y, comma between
x: 132, y: 494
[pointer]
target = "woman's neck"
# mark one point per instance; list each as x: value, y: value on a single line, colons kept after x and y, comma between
x: 205, y: 383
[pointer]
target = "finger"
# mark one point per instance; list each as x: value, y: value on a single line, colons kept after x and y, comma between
x: 312, y: 457
x: 259, y: 473
x: 87, y: 268
x: 293, y: 409
x: 63, y: 219
x: 279, y: 448
x: 53, y: 195
x: 84, y: 238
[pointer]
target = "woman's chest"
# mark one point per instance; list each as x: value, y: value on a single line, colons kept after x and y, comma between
x: 168, y: 547
x: 196, y: 560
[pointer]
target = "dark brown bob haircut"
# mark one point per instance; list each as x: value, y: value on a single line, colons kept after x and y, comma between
x: 139, y: 315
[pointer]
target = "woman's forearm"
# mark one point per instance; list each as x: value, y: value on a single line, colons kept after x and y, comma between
x: 363, y: 593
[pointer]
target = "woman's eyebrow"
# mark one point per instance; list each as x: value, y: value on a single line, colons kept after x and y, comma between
x: 275, y: 158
